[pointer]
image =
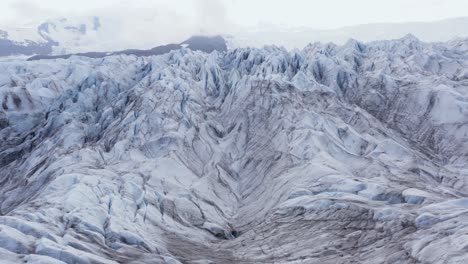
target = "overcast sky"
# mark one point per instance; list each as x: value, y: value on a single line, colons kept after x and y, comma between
x: 150, y: 22
x: 320, y: 14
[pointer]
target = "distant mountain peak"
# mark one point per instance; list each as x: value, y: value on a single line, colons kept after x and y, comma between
x: 206, y: 44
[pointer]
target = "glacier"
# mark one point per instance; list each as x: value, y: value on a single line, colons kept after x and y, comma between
x: 330, y: 154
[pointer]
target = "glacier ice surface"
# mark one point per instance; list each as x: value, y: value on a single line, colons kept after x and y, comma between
x: 330, y: 154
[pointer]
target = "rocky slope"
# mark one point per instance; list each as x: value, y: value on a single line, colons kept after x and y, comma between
x: 206, y: 44
x: 332, y: 154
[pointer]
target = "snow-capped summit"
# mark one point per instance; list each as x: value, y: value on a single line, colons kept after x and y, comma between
x: 54, y: 37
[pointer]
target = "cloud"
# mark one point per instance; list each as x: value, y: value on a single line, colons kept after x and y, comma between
x: 212, y: 16
x: 27, y: 11
x: 137, y: 23
x: 149, y: 23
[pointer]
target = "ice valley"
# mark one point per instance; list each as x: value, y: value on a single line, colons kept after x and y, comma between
x: 331, y: 154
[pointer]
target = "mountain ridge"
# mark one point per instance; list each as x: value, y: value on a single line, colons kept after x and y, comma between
x: 203, y: 43
x: 93, y: 34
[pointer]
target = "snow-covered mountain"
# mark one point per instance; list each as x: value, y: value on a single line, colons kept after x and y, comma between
x: 332, y: 154
x: 436, y: 31
x: 63, y: 38
x: 55, y: 37
x: 72, y: 35
x: 58, y: 37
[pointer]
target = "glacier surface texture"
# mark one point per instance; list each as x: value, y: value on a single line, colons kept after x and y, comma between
x: 331, y: 154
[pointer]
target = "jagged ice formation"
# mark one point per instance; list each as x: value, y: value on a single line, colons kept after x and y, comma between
x: 331, y: 154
